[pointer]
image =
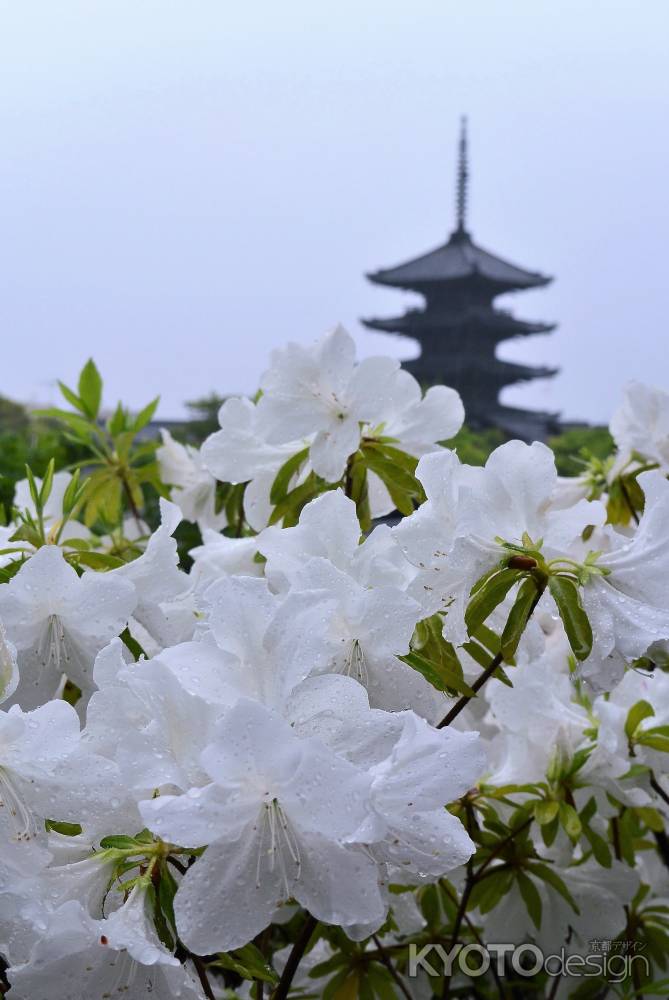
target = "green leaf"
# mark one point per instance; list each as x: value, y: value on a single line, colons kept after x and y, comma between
x: 146, y: 415
x: 489, y: 596
x: 658, y: 730
x: 550, y: 876
x: 628, y: 831
x: 27, y: 533
x: 248, y: 962
x: 357, y: 488
x: 97, y: 560
x: 649, y: 739
x: 66, y: 829
x: 344, y: 986
x: 600, y: 849
x: 117, y: 422
x: 162, y: 905
x: 120, y: 843
x: 658, y: 988
x: 395, y: 455
x: 82, y: 430
x: 329, y: 965
x: 388, y: 469
x: 285, y: 474
x: 478, y: 653
x: 570, y: 821
x: 72, y: 398
x: 47, y: 483
x: 546, y: 811
x: 131, y: 643
x: 531, y: 897
x: 72, y: 494
x: 518, y: 617
x: 486, y: 637
x: 8, y: 572
x: 651, y: 817
x: 32, y: 486
x: 568, y: 600
x: 401, y: 485
x: 439, y: 675
x: 290, y: 507
x: 90, y: 389
x: 637, y: 713
x: 550, y: 831
x: 491, y: 890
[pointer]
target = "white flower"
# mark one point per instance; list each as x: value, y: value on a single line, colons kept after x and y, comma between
x: 193, y: 486
x: 613, y: 751
x: 276, y: 816
x: 537, y: 718
x: 258, y: 646
x: 453, y: 538
x: 321, y: 388
x: 628, y: 607
x: 164, y: 608
x: 426, y: 770
x: 79, y: 958
x: 145, y: 720
x: 366, y: 619
x: 241, y: 453
x: 59, y: 621
x: 328, y: 527
x: 641, y: 426
x: 44, y: 774
x: 220, y: 556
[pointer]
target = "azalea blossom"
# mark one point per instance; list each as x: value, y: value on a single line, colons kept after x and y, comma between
x: 193, y: 486
x: 164, y: 612
x: 276, y: 817
x: 59, y: 621
x: 458, y: 534
x: 321, y: 388
x: 640, y: 426
x: 241, y: 452
x: 77, y: 957
x: 44, y: 774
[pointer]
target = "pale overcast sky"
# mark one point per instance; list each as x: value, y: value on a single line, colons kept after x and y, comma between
x: 185, y: 185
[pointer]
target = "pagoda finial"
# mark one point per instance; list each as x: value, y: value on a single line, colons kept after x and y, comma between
x: 463, y: 177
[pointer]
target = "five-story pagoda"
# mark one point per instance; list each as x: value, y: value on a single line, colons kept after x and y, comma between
x: 459, y: 327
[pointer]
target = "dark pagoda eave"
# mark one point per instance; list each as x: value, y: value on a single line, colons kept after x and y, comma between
x: 415, y: 323
x: 424, y: 286
x: 506, y: 372
x: 460, y: 259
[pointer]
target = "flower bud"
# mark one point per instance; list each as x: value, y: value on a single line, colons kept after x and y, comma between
x: 522, y: 562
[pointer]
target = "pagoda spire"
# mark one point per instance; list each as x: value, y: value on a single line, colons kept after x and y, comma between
x: 462, y: 178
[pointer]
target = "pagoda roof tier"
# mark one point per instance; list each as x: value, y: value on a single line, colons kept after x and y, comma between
x: 458, y: 259
x: 484, y: 370
x: 507, y: 372
x: 496, y: 321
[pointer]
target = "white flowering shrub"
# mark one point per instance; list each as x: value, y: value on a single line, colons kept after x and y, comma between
x: 320, y: 754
